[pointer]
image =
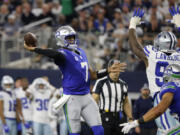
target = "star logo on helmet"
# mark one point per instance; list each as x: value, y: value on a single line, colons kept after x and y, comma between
x: 57, y: 34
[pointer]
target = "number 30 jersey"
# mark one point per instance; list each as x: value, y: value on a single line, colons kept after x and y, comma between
x: 75, y: 70
x: 157, y: 62
x: 40, y: 104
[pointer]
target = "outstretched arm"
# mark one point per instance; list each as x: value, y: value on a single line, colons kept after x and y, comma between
x: 160, y: 108
x: 152, y: 114
x: 136, y: 47
x: 47, y: 52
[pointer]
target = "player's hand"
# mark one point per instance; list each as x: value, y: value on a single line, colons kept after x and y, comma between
x: 30, y: 48
x: 27, y: 125
x: 128, y: 126
x: 176, y: 16
x: 117, y: 67
x: 6, y: 128
x: 135, y: 20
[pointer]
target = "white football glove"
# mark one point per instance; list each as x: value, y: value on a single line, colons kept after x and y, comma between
x: 135, y: 20
x: 128, y: 126
x: 176, y: 16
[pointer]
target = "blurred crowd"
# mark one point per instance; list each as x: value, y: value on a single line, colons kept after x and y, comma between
x: 102, y: 25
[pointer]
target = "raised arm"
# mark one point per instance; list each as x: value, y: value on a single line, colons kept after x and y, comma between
x: 135, y: 45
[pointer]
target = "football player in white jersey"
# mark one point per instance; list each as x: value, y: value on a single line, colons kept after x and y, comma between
x: 156, y: 59
x: 40, y: 95
x: 26, y: 106
x: 8, y: 106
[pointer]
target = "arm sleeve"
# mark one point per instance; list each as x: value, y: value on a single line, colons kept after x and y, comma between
x: 51, y: 54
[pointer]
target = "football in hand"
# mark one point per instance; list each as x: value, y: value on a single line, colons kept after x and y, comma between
x: 30, y: 39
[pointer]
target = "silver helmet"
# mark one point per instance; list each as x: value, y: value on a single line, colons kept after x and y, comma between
x: 171, y: 73
x: 7, y: 83
x: 165, y: 42
x: 61, y: 36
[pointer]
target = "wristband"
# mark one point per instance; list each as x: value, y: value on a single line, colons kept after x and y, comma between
x: 130, y: 118
x: 101, y: 73
x: 141, y: 120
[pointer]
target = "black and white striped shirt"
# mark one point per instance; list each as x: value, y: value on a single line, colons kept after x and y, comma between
x: 112, y: 94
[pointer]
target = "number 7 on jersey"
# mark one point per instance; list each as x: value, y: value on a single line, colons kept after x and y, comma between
x: 85, y: 65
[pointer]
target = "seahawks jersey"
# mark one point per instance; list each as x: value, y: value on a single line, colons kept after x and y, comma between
x: 75, y: 70
x: 173, y: 87
x: 9, y: 104
x: 157, y: 62
x: 26, y: 104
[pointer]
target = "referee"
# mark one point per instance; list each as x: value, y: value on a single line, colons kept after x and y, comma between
x: 111, y: 94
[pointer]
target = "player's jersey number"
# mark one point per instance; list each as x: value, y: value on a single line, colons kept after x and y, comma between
x: 12, y: 105
x: 24, y: 103
x: 85, y: 65
x: 160, y: 67
x: 42, y: 104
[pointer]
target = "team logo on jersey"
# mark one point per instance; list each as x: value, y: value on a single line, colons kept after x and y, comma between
x: 76, y: 58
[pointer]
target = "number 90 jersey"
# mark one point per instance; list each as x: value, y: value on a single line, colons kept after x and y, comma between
x: 75, y: 70
x: 157, y: 62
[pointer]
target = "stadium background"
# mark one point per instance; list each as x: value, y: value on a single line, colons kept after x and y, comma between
x: 102, y: 27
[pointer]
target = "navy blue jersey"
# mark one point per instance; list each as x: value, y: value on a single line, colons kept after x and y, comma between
x: 75, y: 70
x: 173, y: 87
